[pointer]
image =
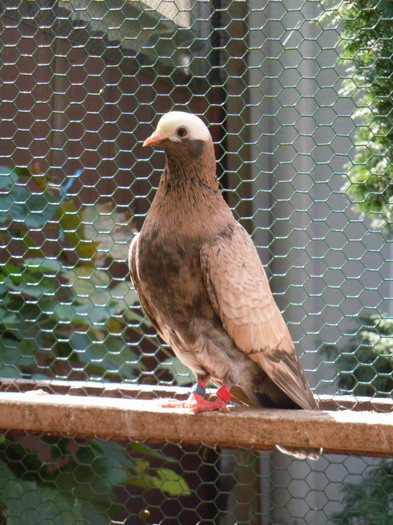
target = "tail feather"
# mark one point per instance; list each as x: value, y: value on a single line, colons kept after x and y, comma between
x: 252, y: 400
x: 301, y: 453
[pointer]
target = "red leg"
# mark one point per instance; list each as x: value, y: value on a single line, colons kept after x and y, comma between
x: 196, y: 403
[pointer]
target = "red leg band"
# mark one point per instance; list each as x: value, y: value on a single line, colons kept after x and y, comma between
x: 224, y: 393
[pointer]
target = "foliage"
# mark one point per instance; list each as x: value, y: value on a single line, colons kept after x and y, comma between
x: 56, y: 314
x: 367, y: 51
x: 365, y: 365
x: 365, y: 368
x: 370, y: 501
x: 77, y: 480
x: 65, y: 319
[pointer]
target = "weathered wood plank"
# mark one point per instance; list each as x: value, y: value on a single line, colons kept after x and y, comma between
x: 144, y: 420
x: 140, y: 391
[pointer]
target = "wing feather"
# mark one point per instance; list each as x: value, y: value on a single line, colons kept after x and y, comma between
x: 240, y: 294
x: 134, y: 274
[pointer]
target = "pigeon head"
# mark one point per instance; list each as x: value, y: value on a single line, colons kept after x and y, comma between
x: 188, y: 148
x: 178, y: 127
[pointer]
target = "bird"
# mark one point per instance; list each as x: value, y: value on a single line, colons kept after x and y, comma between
x: 201, y: 283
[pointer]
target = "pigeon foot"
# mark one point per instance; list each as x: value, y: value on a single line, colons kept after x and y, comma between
x: 196, y: 403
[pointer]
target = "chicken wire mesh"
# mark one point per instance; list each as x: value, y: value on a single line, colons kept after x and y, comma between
x: 297, y: 95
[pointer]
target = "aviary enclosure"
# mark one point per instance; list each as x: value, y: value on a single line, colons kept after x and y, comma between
x: 298, y: 97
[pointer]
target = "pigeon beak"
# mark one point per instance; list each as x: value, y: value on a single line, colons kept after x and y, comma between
x: 156, y: 138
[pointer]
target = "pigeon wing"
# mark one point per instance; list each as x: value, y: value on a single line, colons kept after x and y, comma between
x: 134, y: 274
x: 240, y: 294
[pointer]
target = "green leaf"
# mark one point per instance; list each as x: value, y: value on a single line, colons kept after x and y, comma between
x: 89, y: 285
x: 7, y: 319
x: 96, y: 301
x: 71, y: 221
x: 164, y: 479
x: 368, y: 501
x: 25, y: 502
x: 43, y: 264
x: 9, y: 357
x: 7, y: 179
x: 110, y: 230
x: 365, y: 363
x: 19, y: 203
x: 125, y: 295
x: 140, y: 449
x: 171, y: 483
x: 110, y: 355
x: 31, y: 282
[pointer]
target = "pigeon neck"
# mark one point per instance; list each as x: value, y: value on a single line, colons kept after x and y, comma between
x: 188, y: 168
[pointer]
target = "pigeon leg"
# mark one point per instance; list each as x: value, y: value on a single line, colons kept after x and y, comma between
x: 198, y: 392
x: 196, y: 402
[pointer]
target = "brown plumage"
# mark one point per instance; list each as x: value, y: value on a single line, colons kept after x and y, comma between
x: 201, y: 283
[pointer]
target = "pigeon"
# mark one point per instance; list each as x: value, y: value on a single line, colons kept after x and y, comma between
x: 200, y: 282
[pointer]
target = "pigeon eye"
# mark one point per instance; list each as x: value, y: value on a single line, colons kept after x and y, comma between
x: 182, y: 132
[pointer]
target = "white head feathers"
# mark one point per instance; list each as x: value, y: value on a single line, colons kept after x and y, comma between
x: 177, y: 126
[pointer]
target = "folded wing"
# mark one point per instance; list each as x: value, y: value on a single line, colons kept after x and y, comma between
x: 240, y: 294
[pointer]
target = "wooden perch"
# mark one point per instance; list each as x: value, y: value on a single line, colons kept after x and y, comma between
x: 82, y: 416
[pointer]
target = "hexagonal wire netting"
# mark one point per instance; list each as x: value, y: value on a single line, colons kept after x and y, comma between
x: 297, y: 95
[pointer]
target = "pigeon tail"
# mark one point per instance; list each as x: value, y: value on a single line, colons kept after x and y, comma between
x: 301, y: 453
